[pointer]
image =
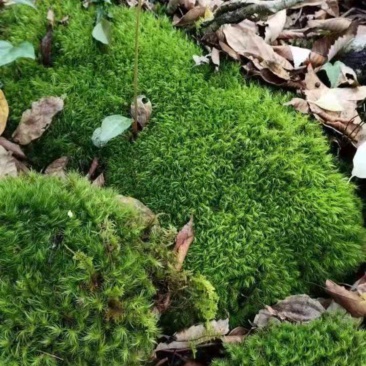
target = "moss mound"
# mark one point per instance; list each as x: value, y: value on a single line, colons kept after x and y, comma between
x: 78, y: 275
x: 272, y: 214
x: 331, y: 340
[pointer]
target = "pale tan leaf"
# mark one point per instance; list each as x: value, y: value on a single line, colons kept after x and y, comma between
x: 349, y: 300
x: 144, y: 110
x: 307, y: 3
x: 215, y: 56
x: 21, y: 167
x: 343, y: 41
x: 334, y: 25
x: 51, y: 17
x: 312, y: 81
x: 58, y: 167
x: 274, y: 26
x: 7, y: 164
x: 331, y: 7
x: 35, y: 121
x: 188, y: 4
x: 99, y: 181
x: 299, y: 55
x: 191, y: 16
x: 228, y: 50
x: 4, y: 112
x: 13, y: 148
x: 301, y: 105
x: 329, y: 102
x: 247, y: 43
x: 183, y: 241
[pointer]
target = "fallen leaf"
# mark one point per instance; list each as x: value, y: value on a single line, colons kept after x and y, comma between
x: 21, y: 167
x: 229, y: 51
x: 13, y: 148
x: 274, y: 26
x: 7, y: 164
x: 299, y: 55
x: 147, y: 216
x: 359, y: 162
x: 144, y: 110
x: 46, y: 48
x: 112, y: 126
x: 339, y: 74
x: 336, y: 25
x: 64, y: 20
x: 58, y: 167
x: 99, y: 181
x: 4, y: 112
x: 247, y: 43
x: 349, y: 300
x: 20, y: 2
x: 329, y: 102
x: 51, y: 17
x: 10, y: 53
x: 35, y: 121
x: 102, y: 31
x: 301, y: 105
x: 182, y: 243
x: 200, y: 60
x: 215, y: 57
x: 188, y: 4
x: 191, y: 16
x: 296, y: 308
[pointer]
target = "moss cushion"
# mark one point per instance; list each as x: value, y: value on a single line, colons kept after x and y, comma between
x: 272, y: 214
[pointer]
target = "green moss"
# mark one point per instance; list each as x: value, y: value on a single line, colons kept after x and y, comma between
x: 331, y: 340
x: 79, y: 276
x: 272, y: 214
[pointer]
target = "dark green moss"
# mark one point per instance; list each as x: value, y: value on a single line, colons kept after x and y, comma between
x: 272, y: 214
x: 331, y: 340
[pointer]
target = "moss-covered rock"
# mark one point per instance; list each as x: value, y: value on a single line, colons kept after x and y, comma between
x: 334, y: 339
x: 79, y: 276
x: 272, y: 214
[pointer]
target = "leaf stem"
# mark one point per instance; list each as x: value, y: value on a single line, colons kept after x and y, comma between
x: 136, y: 67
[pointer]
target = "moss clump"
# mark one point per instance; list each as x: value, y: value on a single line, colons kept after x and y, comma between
x: 77, y: 280
x: 331, y: 340
x: 272, y: 214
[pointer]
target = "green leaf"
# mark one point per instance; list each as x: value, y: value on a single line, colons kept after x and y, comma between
x: 112, y: 126
x: 102, y: 31
x: 22, y: 2
x: 10, y: 53
x: 333, y: 72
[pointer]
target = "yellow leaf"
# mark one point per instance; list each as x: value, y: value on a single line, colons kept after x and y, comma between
x: 4, y: 112
x: 208, y: 15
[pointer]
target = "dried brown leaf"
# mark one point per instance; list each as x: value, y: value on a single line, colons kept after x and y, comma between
x: 99, y: 181
x: 183, y: 241
x: 35, y: 121
x: 274, y: 26
x: 228, y: 50
x: 331, y: 7
x: 7, y: 164
x: 215, y: 57
x: 336, y: 25
x: 301, y: 105
x: 144, y: 110
x: 58, y: 167
x: 349, y: 300
x: 247, y: 43
x: 46, y: 48
x: 191, y: 16
x: 21, y: 167
x: 12, y: 147
x: 297, y: 308
x: 4, y: 112
x: 188, y: 4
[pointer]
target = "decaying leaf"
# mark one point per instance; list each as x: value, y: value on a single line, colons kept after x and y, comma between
x: 144, y: 110
x: 4, y: 112
x: 46, y: 48
x: 274, y: 26
x: 215, y: 57
x: 337, y: 25
x: 299, y: 104
x: 12, y: 147
x: 191, y: 16
x: 340, y: 74
x: 147, y: 216
x: 58, y: 167
x: 7, y: 164
x: 196, y: 334
x: 51, y: 17
x: 297, y: 308
x: 183, y: 241
x: 99, y: 181
x: 35, y: 121
x: 349, y: 300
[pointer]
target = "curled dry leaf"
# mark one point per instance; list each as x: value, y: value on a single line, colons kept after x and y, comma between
x: 35, y: 121
x: 336, y: 25
x: 7, y: 164
x: 301, y: 105
x: 197, y: 334
x: 4, y: 112
x: 297, y: 308
x: 58, y: 167
x: 191, y: 16
x: 183, y: 241
x: 144, y: 110
x: 274, y: 26
x: 13, y: 148
x: 349, y: 300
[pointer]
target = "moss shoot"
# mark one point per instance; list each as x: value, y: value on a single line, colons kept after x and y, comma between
x: 334, y: 339
x: 272, y: 214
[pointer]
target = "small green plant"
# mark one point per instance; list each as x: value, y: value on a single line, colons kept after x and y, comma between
x: 334, y: 339
x: 79, y: 275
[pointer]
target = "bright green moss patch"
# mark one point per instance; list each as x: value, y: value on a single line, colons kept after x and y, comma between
x: 272, y: 214
x: 79, y: 276
x: 331, y: 340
